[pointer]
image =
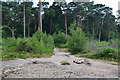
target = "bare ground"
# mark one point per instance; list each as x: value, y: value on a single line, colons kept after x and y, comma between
x: 52, y: 68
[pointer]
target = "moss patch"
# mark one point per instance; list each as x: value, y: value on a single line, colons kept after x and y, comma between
x: 64, y: 63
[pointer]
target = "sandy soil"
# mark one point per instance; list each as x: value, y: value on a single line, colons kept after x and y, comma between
x: 52, y: 68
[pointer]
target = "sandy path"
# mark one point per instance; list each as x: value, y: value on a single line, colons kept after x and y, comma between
x: 51, y: 68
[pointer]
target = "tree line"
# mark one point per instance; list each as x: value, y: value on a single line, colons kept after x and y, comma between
x: 21, y: 19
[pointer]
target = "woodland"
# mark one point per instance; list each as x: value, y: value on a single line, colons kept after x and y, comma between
x: 84, y: 29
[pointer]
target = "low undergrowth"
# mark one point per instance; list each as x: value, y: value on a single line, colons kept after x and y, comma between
x: 64, y: 63
x: 110, y: 54
x: 60, y: 40
x: 22, y: 55
x: 39, y: 45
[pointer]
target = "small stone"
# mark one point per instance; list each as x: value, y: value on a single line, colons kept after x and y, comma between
x: 35, y: 62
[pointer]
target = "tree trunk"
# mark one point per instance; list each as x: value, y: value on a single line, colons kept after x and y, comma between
x: 87, y: 28
x: 99, y: 35
x: 101, y: 27
x: 28, y: 31
x: 24, y: 18
x: 51, y: 25
x: 109, y: 34
x: 78, y: 22
x: 93, y: 30
x: 29, y: 28
x: 35, y: 26
x: 65, y: 23
x: 13, y: 34
x: 40, y: 16
x: 12, y: 31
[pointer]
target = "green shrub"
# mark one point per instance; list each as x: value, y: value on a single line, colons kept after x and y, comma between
x: 42, y: 42
x: 39, y: 35
x: 114, y: 43
x: 107, y: 53
x: 23, y: 45
x: 38, y: 43
x: 77, y: 42
x: 60, y: 39
x: 85, y: 51
x: 9, y: 44
x: 94, y: 45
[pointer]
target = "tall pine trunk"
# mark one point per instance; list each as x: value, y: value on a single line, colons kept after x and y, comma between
x: 65, y: 23
x: 28, y: 31
x: 35, y: 26
x: 78, y: 22
x: 109, y: 34
x: 50, y: 25
x: 24, y: 18
x: 93, y: 30
x: 99, y: 36
x: 29, y: 27
x: 101, y: 27
x: 87, y: 28
x: 40, y: 15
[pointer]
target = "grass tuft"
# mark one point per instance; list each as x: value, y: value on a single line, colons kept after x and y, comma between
x: 64, y: 63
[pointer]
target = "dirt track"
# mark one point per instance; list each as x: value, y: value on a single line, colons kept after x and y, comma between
x: 52, y: 68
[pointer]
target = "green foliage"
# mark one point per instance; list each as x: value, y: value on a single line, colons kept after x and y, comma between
x: 53, y: 22
x: 64, y: 63
x: 114, y: 43
x: 13, y: 55
x: 77, y: 42
x: 94, y: 45
x: 23, y: 45
x: 107, y: 53
x: 54, y: 19
x: 102, y: 50
x: 42, y: 42
x: 72, y: 26
x: 60, y: 39
x: 9, y: 44
x: 39, y: 43
x: 39, y: 35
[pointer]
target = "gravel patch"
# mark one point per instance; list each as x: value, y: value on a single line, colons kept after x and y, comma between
x: 52, y: 68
